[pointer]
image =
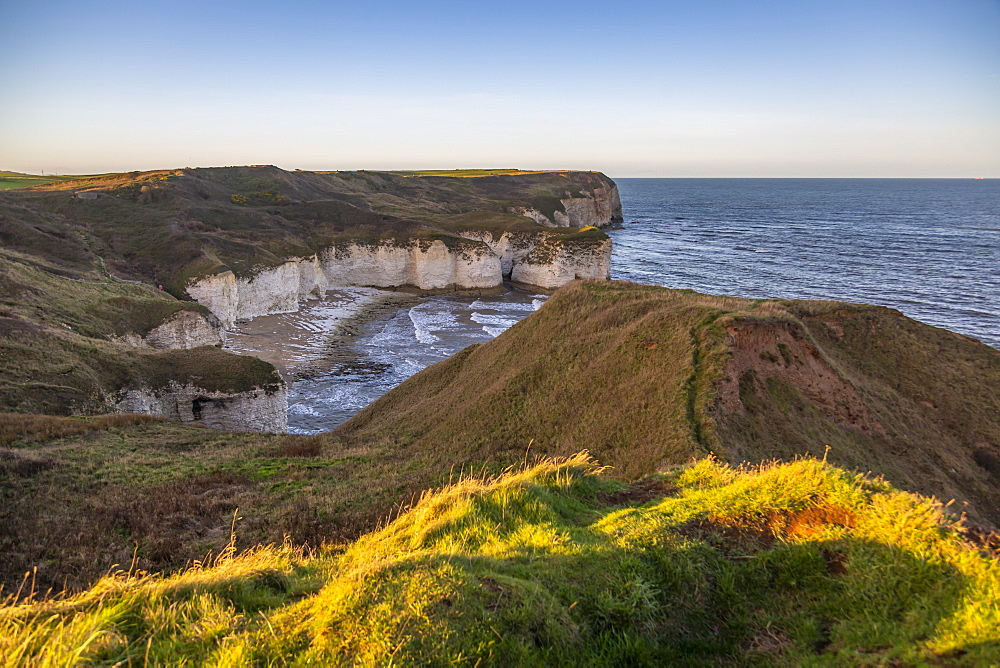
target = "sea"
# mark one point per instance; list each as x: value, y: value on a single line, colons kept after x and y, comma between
x: 927, y: 247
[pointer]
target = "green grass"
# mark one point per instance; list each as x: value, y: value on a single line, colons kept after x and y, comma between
x: 790, y: 564
x: 79, y: 494
x: 16, y: 180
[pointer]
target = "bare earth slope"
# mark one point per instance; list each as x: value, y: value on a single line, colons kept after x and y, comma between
x: 647, y: 377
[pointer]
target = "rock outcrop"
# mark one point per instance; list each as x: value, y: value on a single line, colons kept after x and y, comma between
x: 183, y: 330
x: 600, y: 206
x: 546, y: 262
x: 427, y: 265
x: 257, y: 410
x: 269, y: 290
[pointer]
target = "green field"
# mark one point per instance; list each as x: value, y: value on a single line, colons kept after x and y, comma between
x: 16, y: 180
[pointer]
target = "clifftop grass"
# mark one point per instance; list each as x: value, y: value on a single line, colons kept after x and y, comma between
x: 790, y: 564
x: 17, y: 180
x: 58, y: 350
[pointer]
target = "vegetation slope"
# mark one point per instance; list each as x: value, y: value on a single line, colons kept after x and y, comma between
x: 647, y: 377
x: 786, y: 564
x: 644, y: 377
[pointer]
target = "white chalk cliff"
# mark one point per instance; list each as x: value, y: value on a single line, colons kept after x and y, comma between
x: 183, y: 330
x: 427, y: 265
x: 540, y: 260
x: 598, y: 207
x: 480, y: 261
x: 258, y: 410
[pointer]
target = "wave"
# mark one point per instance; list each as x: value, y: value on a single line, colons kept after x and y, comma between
x: 487, y: 319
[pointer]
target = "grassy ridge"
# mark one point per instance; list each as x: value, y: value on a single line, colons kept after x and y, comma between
x: 790, y: 564
x: 648, y: 377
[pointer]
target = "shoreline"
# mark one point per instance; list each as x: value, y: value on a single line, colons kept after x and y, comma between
x: 307, y: 342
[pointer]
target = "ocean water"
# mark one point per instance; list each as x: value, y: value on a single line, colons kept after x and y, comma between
x: 930, y: 248
x: 389, y: 350
x: 927, y: 247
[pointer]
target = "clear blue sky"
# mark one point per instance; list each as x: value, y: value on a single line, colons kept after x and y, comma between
x: 707, y: 88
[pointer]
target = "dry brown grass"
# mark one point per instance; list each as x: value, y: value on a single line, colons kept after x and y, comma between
x: 78, y: 495
x: 29, y: 428
x: 300, y: 446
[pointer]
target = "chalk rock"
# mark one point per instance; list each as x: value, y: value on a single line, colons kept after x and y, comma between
x: 427, y: 265
x: 551, y: 265
x: 540, y: 259
x: 258, y: 410
x: 268, y: 290
x: 598, y: 207
x: 186, y: 329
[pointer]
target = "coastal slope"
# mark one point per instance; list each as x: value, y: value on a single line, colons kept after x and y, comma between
x: 647, y: 377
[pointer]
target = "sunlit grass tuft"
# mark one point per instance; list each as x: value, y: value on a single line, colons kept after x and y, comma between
x: 791, y: 564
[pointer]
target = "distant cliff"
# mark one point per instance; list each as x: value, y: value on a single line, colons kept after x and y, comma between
x: 170, y: 259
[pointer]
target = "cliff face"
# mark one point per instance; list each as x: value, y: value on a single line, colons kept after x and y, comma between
x: 481, y: 262
x: 256, y: 410
x: 427, y: 266
x: 546, y: 262
x: 600, y: 206
x: 183, y: 330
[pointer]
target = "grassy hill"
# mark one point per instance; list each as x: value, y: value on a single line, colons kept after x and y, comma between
x: 167, y: 226
x: 556, y: 564
x: 647, y: 377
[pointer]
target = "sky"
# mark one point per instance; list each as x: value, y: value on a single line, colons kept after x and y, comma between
x: 713, y: 88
